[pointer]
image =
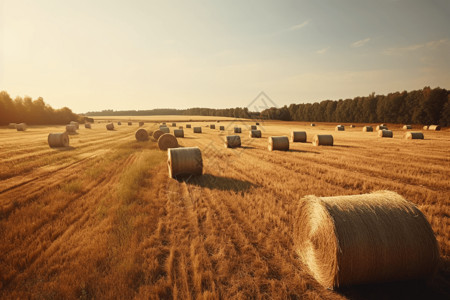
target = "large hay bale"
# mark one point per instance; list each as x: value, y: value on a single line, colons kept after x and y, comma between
x: 323, y: 140
x: 174, y: 124
x: 141, y: 124
x: 21, y: 127
x: 340, y: 128
x: 367, y: 129
x: 312, y: 124
x: 162, y: 126
x: 71, y: 128
x: 385, y: 133
x: 425, y: 127
x: 383, y: 124
x: 56, y: 140
x: 179, y: 133
x: 414, y: 136
x: 407, y: 127
x: 434, y: 127
x: 253, y: 127
x: 87, y: 125
x: 141, y: 135
x: 212, y: 126
x: 369, y: 238
x: 188, y: 125
x: 77, y: 125
x: 197, y: 130
x: 119, y: 123
x: 232, y: 141
x: 255, y: 134
x: 237, y: 130
x: 381, y: 127
x: 130, y: 123
x: 110, y: 126
x: 157, y: 134
x: 298, y: 136
x: 12, y: 125
x: 221, y: 128
x: 165, y: 129
x: 184, y: 162
x: 278, y: 143
x: 167, y: 141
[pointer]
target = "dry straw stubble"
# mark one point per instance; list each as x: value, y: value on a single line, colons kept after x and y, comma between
x: 184, y: 161
x: 167, y: 141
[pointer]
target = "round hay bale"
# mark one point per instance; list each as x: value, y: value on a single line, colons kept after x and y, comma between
x: 110, y: 126
x: 179, y: 133
x: 197, y: 130
x: 359, y: 239
x: 407, y: 127
x: 130, y: 123
x: 163, y: 123
x: 21, y: 127
x: 221, y: 128
x: 323, y: 140
x: 141, y: 135
x: 180, y: 127
x: 278, y: 143
x: 298, y: 136
x: 253, y: 127
x: 188, y: 125
x: 312, y: 124
x: 414, y: 136
x: 383, y: 124
x: 340, y: 128
x: 257, y: 123
x: 184, y: 162
x: 87, y: 125
x: 167, y: 141
x: 141, y: 123
x: 163, y: 126
x: 165, y: 129
x: 56, y: 140
x: 77, y: 125
x: 434, y: 127
x: 70, y: 128
x: 119, y: 123
x: 212, y: 126
x: 381, y: 127
x: 385, y: 133
x: 237, y: 130
x: 367, y: 129
x: 12, y: 125
x: 255, y: 134
x: 352, y: 126
x: 425, y: 127
x: 157, y: 134
x: 174, y: 124
x: 232, y: 141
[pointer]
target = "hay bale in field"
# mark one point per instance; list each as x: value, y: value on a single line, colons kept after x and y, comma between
x: 130, y: 123
x: 221, y: 128
x: 359, y: 239
x: 179, y: 133
x: 77, y: 125
x: 340, y: 128
x: 184, y: 162
x: 188, y: 125
x: 407, y: 127
x: 119, y: 123
x: 414, y: 136
x: 141, y: 123
x: 56, y: 140
x: 257, y: 123
x: 141, y: 135
x: 383, y: 124
x: 110, y: 126
x: 165, y: 129
x: 352, y: 126
x: 385, y: 133
x: 312, y: 124
x: 163, y: 126
x: 278, y: 143
x: 381, y: 127
x: 367, y: 129
x: 174, y: 124
x: 21, y: 127
x: 232, y: 141
x: 70, y: 128
x: 212, y: 126
x: 323, y: 140
x: 12, y: 125
x: 87, y: 125
x: 157, y: 134
x: 425, y: 127
x: 253, y: 127
x: 237, y: 130
x: 434, y: 127
x: 163, y: 123
x: 298, y: 136
x: 180, y: 127
x: 255, y: 134
x: 167, y: 141
x: 197, y: 130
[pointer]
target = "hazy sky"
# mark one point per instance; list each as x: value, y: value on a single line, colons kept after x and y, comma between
x: 94, y: 55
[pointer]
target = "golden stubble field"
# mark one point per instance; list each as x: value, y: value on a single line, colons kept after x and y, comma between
x: 102, y: 219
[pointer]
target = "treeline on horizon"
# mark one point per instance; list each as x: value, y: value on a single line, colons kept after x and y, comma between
x: 33, y: 112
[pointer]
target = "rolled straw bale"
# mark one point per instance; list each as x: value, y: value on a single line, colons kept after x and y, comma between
x: 165, y: 129
x: 414, y: 136
x: 237, y: 130
x: 298, y: 136
x: 157, y: 134
x: 56, y: 140
x: 130, y: 123
x: 184, y: 161
x: 188, y: 125
x: 70, y: 128
x: 174, y: 124
x: 312, y: 124
x: 257, y: 123
x: 21, y: 127
x: 12, y: 125
x: 407, y: 127
x: 77, y: 125
x: 232, y: 141
x: 383, y: 124
x: 179, y: 133
x: 87, y: 125
x: 212, y: 126
x: 367, y: 129
x: 255, y: 134
x: 278, y: 143
x: 352, y: 126
x: 180, y: 127
x: 141, y: 135
x: 119, y: 123
x: 434, y: 127
x: 253, y: 127
x: 197, y: 130
x: 141, y: 123
x: 385, y: 133
x: 340, y: 128
x: 163, y: 123
x: 381, y: 127
x: 163, y: 126
x: 221, y: 128
x: 425, y: 127
x: 323, y: 140
x: 167, y: 141
x: 359, y: 239
x: 110, y: 126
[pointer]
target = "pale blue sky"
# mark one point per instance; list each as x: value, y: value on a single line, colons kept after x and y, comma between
x: 93, y: 55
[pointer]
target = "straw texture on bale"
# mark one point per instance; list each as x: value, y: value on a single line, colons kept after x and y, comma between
x: 340, y: 128
x: 312, y: 124
x: 434, y: 127
x: 87, y: 125
x: 110, y: 126
x: 352, y: 126
x: 188, y: 125
x: 221, y: 128
x: 407, y: 127
x: 298, y: 136
x: 197, y: 130
x: 162, y: 126
x: 157, y: 134
x: 383, y: 124
x: 21, y: 127
x: 12, y: 125
x: 367, y: 129
x: 178, y: 133
x: 165, y: 129
x: 70, y: 128
x: 381, y: 127
x: 369, y: 238
x: 414, y: 136
x: 278, y: 143
x: 425, y: 127
x: 323, y: 140
x: 130, y: 123
x: 56, y: 140
x: 119, y: 123
x: 212, y: 126
x: 77, y: 125
x: 141, y: 124
x: 255, y: 134
x: 141, y: 135
x: 174, y: 124
x: 167, y: 141
x: 237, y: 130
x: 184, y: 162
x: 232, y: 141
x: 385, y: 133
x: 253, y: 127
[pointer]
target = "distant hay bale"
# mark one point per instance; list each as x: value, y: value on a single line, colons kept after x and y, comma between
x: 184, y: 162
x: 361, y: 239
x: 253, y: 127
x: 163, y: 126
x: 340, y: 128
x: 237, y: 130
x: 407, y: 127
x: 367, y: 129
x: 323, y: 140
x: 71, y: 128
x: 381, y: 127
x: 278, y: 143
x: 257, y: 123
x: 312, y: 124
x: 212, y: 126
x: 232, y: 141
x: 352, y: 126
x: 298, y: 136
x: 87, y: 125
x: 157, y: 134
x: 414, y: 136
x: 21, y: 127
x: 434, y: 127
x: 110, y: 126
x: 255, y: 134
x: 174, y: 124
x: 163, y: 123
x: 179, y: 133
x: 383, y: 124
x: 130, y: 123
x: 141, y: 123
x: 425, y: 127
x: 385, y: 133
x: 188, y: 125
x: 180, y: 127
x: 197, y: 130
x: 167, y: 141
x: 119, y: 123
x: 141, y: 135
x: 165, y: 129
x: 221, y: 128
x: 77, y: 125
x: 12, y: 125
x: 56, y: 140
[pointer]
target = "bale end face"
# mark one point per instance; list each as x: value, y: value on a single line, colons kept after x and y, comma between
x: 184, y: 162
x: 141, y: 135
x: 157, y: 134
x: 167, y: 141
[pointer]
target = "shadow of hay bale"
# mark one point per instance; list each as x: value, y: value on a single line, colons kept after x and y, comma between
x: 220, y: 183
x: 68, y: 148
